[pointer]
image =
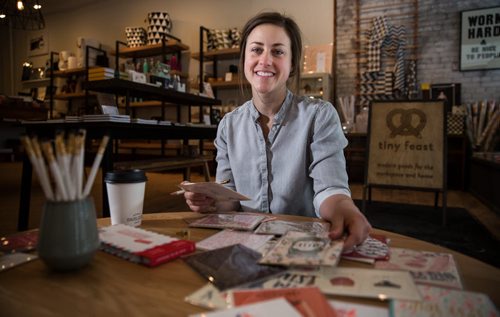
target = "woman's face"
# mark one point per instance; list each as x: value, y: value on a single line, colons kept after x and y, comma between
x: 268, y: 59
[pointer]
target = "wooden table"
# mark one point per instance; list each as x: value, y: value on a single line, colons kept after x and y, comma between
x: 111, y: 286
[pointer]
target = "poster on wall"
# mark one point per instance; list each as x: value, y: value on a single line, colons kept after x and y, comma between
x: 406, y: 144
x: 480, y: 39
x: 38, y: 43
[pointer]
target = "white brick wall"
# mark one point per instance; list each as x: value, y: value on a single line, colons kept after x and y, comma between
x: 438, y: 51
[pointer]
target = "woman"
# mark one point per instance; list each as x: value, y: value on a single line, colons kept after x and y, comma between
x: 282, y: 150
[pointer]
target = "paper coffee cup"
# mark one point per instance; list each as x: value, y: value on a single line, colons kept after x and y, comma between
x: 126, y: 196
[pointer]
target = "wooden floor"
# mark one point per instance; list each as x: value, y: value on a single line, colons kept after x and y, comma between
x: 160, y: 185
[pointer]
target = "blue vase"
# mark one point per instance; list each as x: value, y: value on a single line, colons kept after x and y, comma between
x: 68, y: 235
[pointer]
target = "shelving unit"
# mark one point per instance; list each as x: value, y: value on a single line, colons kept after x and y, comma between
x: 316, y: 85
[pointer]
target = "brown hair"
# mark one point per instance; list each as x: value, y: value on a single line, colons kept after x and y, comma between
x: 292, y: 30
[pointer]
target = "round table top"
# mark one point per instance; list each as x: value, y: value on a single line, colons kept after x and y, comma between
x: 110, y: 285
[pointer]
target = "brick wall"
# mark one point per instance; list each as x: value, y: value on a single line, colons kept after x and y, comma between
x: 437, y: 51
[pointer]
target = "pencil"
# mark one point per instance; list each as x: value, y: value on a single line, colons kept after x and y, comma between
x: 95, y: 165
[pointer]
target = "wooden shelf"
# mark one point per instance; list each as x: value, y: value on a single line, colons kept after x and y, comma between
x: 133, y: 89
x: 69, y: 72
x: 227, y: 84
x: 227, y: 53
x: 172, y: 46
x: 69, y: 96
x: 35, y: 83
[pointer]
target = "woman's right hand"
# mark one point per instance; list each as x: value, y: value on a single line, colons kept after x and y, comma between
x: 199, y: 202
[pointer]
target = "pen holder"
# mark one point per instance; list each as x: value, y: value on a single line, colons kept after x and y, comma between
x: 68, y: 235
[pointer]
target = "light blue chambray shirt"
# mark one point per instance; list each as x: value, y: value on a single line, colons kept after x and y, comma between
x: 292, y: 172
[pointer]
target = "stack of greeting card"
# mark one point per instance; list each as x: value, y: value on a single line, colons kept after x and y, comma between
x: 142, y: 246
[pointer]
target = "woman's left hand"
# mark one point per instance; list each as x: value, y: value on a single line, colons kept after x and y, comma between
x: 345, y: 219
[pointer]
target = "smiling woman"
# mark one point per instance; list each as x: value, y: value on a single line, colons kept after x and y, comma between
x: 283, y: 151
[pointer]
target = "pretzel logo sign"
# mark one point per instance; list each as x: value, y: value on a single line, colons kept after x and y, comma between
x: 406, y: 122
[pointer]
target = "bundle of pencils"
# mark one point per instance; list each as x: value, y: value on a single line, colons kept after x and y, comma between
x: 483, y: 122
x: 59, y: 165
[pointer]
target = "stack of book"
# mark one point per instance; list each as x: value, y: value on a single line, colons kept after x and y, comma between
x: 101, y: 73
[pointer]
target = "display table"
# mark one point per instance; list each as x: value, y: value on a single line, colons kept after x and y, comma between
x: 111, y: 286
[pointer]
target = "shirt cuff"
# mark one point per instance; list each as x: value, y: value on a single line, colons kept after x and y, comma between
x: 318, y: 200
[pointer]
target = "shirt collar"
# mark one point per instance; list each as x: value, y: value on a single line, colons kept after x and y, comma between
x: 278, y: 118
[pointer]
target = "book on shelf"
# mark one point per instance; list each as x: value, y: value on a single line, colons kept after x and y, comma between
x: 142, y: 246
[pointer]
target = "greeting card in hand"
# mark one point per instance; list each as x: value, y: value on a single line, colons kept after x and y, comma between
x: 231, y: 266
x: 438, y: 301
x: 375, y: 247
x: 214, y: 190
x: 280, y: 227
x: 303, y: 249
x: 234, y: 220
x: 426, y: 267
x: 229, y: 237
x: 309, y: 301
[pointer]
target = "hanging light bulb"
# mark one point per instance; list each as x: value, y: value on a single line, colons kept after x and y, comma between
x: 20, y: 5
x: 2, y: 15
x: 22, y: 14
x: 37, y: 6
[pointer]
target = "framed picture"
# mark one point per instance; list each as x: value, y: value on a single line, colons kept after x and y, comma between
x: 479, y: 39
x: 38, y: 43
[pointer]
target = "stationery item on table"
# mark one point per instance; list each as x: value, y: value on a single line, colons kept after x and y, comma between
x: 274, y: 307
x: 231, y: 266
x: 142, y: 246
x: 280, y: 227
x: 426, y: 267
x: 63, y: 164
x: 369, y: 283
x: 308, y: 301
x: 236, y: 220
x: 228, y: 237
x: 208, y: 297
x: 214, y: 190
x: 19, y: 242
x: 348, y: 309
x: 301, y: 248
x: 438, y: 301
x: 8, y: 261
x: 375, y: 247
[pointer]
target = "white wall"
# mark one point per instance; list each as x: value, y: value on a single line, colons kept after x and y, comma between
x: 106, y: 20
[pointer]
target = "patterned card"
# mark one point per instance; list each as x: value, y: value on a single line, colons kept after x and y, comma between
x: 303, y: 249
x: 347, y: 309
x: 208, y: 297
x: 309, y: 301
x: 229, y: 220
x: 444, y: 302
x: 375, y: 247
x: 229, y: 237
x: 381, y: 284
x: 426, y: 267
x: 273, y: 307
x: 279, y: 227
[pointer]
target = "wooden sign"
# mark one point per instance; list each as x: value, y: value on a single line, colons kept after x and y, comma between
x: 407, y: 144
